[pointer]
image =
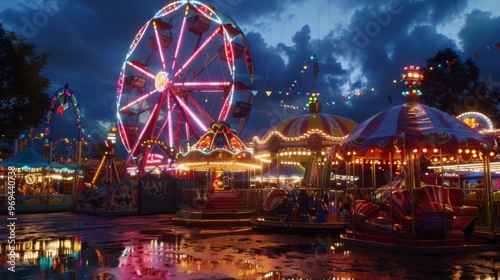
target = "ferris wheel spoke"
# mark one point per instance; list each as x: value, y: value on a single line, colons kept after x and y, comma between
x: 225, y: 108
x: 166, y: 122
x: 205, y: 67
x: 187, y: 111
x: 162, y: 41
x: 179, y: 43
x: 141, y: 68
x: 200, y: 109
x: 169, y: 118
x: 139, y: 100
x: 197, y: 52
x: 208, y: 86
x: 145, y: 128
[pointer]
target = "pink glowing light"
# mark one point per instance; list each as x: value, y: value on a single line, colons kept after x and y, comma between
x: 179, y: 43
x: 140, y: 99
x: 197, y: 52
x: 160, y: 47
x: 139, y: 66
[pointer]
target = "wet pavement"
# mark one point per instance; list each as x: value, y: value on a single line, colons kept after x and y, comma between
x: 76, y: 246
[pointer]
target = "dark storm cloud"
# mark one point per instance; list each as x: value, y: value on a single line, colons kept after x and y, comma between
x: 379, y: 41
x: 88, y: 41
x: 484, y: 43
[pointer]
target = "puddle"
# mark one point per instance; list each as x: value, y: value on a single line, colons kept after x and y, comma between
x: 154, y: 254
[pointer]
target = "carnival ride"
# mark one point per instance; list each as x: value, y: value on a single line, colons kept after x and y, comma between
x: 426, y: 219
x: 217, y: 154
x: 187, y: 67
x: 309, y: 139
x: 48, y: 182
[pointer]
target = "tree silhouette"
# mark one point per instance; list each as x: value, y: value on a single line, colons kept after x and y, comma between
x: 23, y: 90
x: 457, y: 87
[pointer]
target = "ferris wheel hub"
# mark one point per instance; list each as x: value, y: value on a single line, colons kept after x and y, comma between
x: 162, y: 81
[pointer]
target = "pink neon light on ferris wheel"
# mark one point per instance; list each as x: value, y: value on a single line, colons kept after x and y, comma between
x: 197, y: 52
x: 178, y: 109
x: 135, y: 65
x: 191, y: 113
x: 170, y: 123
x: 122, y: 131
x: 225, y: 109
x: 160, y: 47
x: 198, y: 107
x: 139, y: 100
x: 194, y: 84
x: 201, y: 11
x: 181, y: 36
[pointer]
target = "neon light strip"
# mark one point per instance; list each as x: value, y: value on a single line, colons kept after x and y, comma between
x: 195, y: 54
x: 191, y: 114
x: 181, y: 36
x: 214, y: 18
x: 137, y: 39
x: 169, y: 8
x: 167, y: 120
x: 229, y: 57
x: 120, y: 84
x: 160, y: 47
x: 200, y: 109
x: 194, y: 84
x: 170, y: 121
x: 225, y: 108
x: 146, y: 125
x: 141, y: 70
x: 139, y: 99
x: 123, y: 133
x: 230, y: 64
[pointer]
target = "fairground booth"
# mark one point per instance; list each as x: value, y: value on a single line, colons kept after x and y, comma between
x: 37, y: 184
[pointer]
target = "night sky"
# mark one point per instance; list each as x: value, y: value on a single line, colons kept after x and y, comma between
x: 362, y: 47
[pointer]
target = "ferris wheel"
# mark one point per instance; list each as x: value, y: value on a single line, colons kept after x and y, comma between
x: 187, y: 67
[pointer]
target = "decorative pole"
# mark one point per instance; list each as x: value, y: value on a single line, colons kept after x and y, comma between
x: 412, y: 79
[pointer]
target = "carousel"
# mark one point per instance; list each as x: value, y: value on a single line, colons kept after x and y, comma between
x: 224, y: 165
x: 36, y: 184
x: 419, y: 218
x: 306, y: 142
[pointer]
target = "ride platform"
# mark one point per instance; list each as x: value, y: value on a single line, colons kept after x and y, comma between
x: 213, y: 218
x: 452, y: 244
x: 282, y: 225
x: 487, y: 233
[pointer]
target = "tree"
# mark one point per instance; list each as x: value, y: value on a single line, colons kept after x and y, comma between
x: 456, y: 87
x: 23, y: 90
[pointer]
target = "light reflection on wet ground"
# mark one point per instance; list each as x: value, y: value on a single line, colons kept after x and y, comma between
x: 68, y: 246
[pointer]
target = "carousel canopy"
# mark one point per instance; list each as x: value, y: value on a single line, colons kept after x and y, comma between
x: 30, y: 158
x: 414, y: 125
x: 298, y: 136
x: 218, y: 149
x: 297, y: 126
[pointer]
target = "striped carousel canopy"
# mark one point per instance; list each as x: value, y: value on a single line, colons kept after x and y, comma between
x: 413, y: 125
